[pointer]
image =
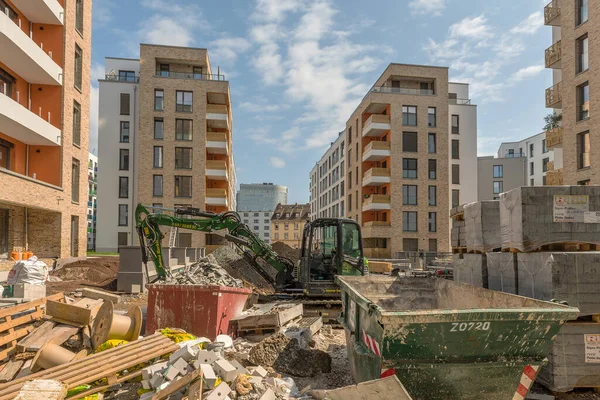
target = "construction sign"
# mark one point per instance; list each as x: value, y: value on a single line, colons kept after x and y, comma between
x: 592, y: 348
x: 571, y: 208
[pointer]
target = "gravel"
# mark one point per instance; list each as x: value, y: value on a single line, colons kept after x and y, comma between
x: 206, y: 272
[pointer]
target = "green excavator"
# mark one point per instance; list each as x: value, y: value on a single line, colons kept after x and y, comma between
x: 330, y: 247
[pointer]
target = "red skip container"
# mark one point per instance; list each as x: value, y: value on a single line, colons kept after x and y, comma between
x: 201, y: 310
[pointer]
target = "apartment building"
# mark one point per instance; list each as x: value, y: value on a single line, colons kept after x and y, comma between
x: 256, y: 203
x: 92, y: 201
x: 45, y: 50
x: 498, y: 175
x: 287, y: 223
x: 164, y: 140
x: 327, y: 183
x: 534, y: 151
x: 570, y: 57
x: 259, y: 222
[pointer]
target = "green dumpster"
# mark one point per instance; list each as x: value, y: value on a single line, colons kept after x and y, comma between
x: 444, y: 339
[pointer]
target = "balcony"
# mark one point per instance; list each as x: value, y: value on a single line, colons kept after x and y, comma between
x: 554, y: 137
x: 554, y: 55
x: 377, y: 229
x: 20, y: 53
x: 377, y: 202
x: 458, y: 102
x: 554, y: 178
x: 554, y: 97
x: 216, y: 169
x: 47, y: 196
x: 401, y: 90
x: 377, y: 177
x: 41, y: 11
x: 376, y: 151
x: 216, y: 143
x: 190, y: 75
x: 377, y: 253
x: 376, y: 125
x: 122, y: 78
x: 216, y: 197
x: 217, y: 116
x: 24, y: 125
x: 552, y: 14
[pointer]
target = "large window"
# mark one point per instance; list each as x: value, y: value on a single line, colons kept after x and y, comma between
x: 431, y: 143
x: 184, y: 101
x: 583, y: 101
x: 583, y: 150
x: 455, y: 149
x: 409, y: 221
x: 455, y: 174
x: 544, y: 147
x: 183, y: 186
x: 124, y: 105
x: 498, y: 187
x: 433, y: 195
x: 531, y: 168
x: 75, y: 181
x: 123, y: 215
x: 124, y: 159
x: 531, y: 150
x: 79, y: 16
x: 582, y: 11
x: 409, y: 142
x: 432, y: 169
x: 455, y: 198
x: 432, y: 222
x: 159, y: 97
x: 498, y: 171
x: 183, y: 129
x: 76, y: 123
x: 431, y: 117
x: 183, y: 158
x: 124, y: 132
x: 455, y: 124
x: 409, y: 195
x: 409, y: 168
x: 158, y: 157
x: 157, y: 185
x: 409, y: 115
x: 582, y: 54
x: 545, y: 162
x: 159, y: 128
x: 123, y: 187
x: 78, y: 68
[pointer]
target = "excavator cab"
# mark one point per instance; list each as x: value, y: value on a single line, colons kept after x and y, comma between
x: 330, y: 247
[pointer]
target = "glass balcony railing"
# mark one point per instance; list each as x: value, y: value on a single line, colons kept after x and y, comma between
x: 190, y: 75
x: 401, y: 90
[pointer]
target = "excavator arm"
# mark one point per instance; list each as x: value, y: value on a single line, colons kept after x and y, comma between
x: 148, y: 226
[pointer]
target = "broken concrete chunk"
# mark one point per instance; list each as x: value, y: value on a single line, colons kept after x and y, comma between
x: 181, y: 365
x: 147, y: 396
x: 171, y: 373
x: 239, y: 368
x: 268, y: 395
x: 156, y: 381
x: 146, y: 384
x: 219, y: 393
x: 209, y: 375
x: 186, y: 352
x: 207, y: 357
x: 259, y: 371
x: 225, y: 370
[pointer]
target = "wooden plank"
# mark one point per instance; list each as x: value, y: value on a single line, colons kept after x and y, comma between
x: 25, y: 370
x: 30, y: 341
x: 86, y: 337
x: 100, y: 294
x: 42, y: 389
x: 11, y: 322
x: 69, y: 313
x: 17, y: 334
x: 177, y: 385
x: 10, y: 369
x: 195, y: 390
x: 30, y: 305
x: 268, y: 315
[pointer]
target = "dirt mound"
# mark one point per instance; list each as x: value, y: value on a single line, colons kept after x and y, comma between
x: 286, y: 251
x: 98, y: 271
x: 239, y: 267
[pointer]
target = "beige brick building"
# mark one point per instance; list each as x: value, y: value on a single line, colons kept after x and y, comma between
x: 572, y: 58
x: 287, y: 223
x: 45, y: 53
x: 397, y: 162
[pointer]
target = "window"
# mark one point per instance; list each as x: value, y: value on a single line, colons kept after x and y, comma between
x: 357, y: 197
x: 356, y: 152
x: 431, y: 143
x: 433, y: 195
x: 163, y: 70
x: 127, y: 76
x: 356, y: 175
x: 432, y: 222
x: 124, y: 106
x: 183, y: 186
x: 266, y: 221
x: 498, y: 187
x: 123, y: 187
x: 159, y: 97
x: 277, y: 236
x: 409, y: 221
x: 583, y: 150
x: 184, y: 101
x: 531, y: 182
x: 582, y: 11
x: 531, y: 168
x: 583, y: 101
x: 544, y: 180
x: 531, y: 150
x: 5, y: 153
x: 585, y: 182
x: 349, y: 179
x: 582, y: 54
x: 432, y: 169
x: 157, y: 208
x: 183, y: 129
x: 349, y: 157
x: 256, y: 221
x: 455, y: 149
x: 124, y: 132
x: 409, y: 168
x: 124, y: 159
x: 433, y: 245
x: 121, y: 239
x: 409, y: 195
x: 545, y: 162
x: 431, y: 117
x: 409, y: 115
x: 75, y: 181
x: 157, y: 185
x: 455, y: 174
x: 455, y: 198
x: 544, y: 148
x: 498, y: 171
x: 123, y: 215
x: 349, y: 136
x: 455, y: 124
x: 349, y: 202
x: 78, y: 68
x: 409, y: 142
x: 76, y: 123
x: 159, y: 126
x: 79, y: 16
x: 158, y: 157
x: 286, y: 226
x: 511, y: 153
x: 286, y: 236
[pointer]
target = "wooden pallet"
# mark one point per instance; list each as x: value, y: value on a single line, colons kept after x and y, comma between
x: 459, y: 250
x: 104, y: 365
x: 17, y: 321
x: 569, y: 246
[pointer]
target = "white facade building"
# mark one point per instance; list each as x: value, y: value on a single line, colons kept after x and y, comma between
x: 92, y: 201
x: 327, y: 189
x: 537, y: 154
x: 259, y: 222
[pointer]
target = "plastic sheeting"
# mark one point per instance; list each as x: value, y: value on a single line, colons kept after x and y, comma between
x: 28, y: 271
x: 502, y: 272
x: 471, y: 269
x: 482, y: 226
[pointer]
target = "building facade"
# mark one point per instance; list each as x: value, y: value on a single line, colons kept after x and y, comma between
x: 534, y: 151
x: 571, y: 58
x: 498, y: 175
x: 44, y: 126
x: 92, y: 201
x: 260, y: 196
x: 287, y: 223
x: 167, y: 120
x: 327, y: 182
x: 259, y: 222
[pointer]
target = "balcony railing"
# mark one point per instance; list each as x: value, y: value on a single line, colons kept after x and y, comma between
x: 459, y: 101
x: 400, y: 90
x: 382, y: 199
x: 553, y: 55
x: 216, y: 109
x: 554, y: 137
x: 190, y: 75
x: 385, y: 172
x: 115, y: 77
x: 514, y: 155
x: 551, y: 13
x: 376, y: 223
x: 553, y: 96
x: 377, y: 145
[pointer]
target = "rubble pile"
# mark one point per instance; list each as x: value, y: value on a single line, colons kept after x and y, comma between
x: 286, y: 251
x: 207, y: 271
x: 240, y: 268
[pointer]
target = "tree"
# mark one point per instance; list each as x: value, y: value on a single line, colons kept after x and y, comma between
x: 552, y: 121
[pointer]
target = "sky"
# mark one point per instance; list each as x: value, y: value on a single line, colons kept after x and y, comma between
x: 298, y: 68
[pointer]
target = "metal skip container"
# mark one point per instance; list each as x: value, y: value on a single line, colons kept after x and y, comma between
x: 447, y: 340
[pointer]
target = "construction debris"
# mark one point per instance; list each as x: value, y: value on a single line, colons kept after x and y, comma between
x: 206, y: 271
x: 240, y: 268
x: 286, y: 251
x: 388, y: 388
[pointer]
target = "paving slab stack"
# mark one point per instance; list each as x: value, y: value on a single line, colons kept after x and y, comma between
x: 457, y: 233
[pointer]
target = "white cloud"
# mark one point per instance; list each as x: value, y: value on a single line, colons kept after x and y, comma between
x: 102, y: 12
x: 277, y: 162
x: 260, y: 104
x: 471, y: 27
x: 432, y: 8
x: 275, y: 10
x: 527, y: 72
x: 509, y: 47
x: 166, y: 30
x: 530, y: 25
x: 97, y: 72
x: 227, y: 49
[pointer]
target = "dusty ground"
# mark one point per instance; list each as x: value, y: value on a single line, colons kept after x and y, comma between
x: 100, y: 272
x: 577, y: 394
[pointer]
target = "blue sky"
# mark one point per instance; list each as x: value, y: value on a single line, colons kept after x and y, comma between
x: 298, y: 68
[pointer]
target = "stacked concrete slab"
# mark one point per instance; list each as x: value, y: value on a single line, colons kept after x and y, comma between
x: 527, y: 218
x: 471, y: 269
x: 482, y: 226
x: 457, y: 233
x: 502, y: 272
